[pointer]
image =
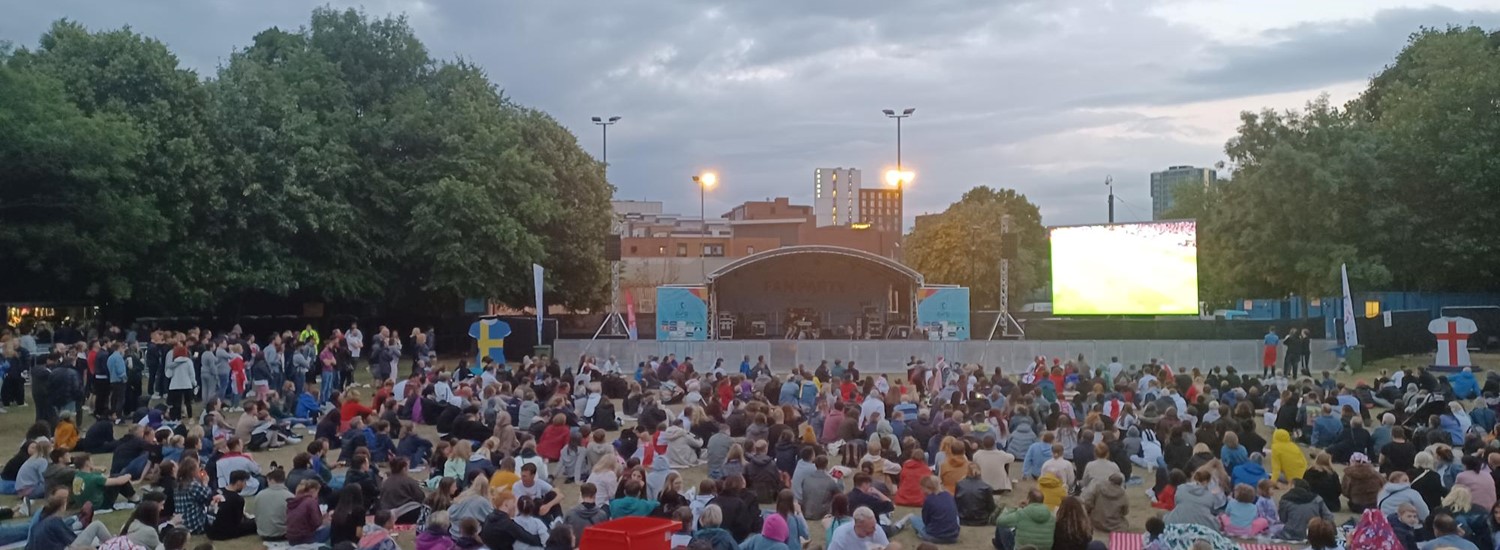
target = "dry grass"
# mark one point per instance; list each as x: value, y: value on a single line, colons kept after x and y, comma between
x: 14, y: 424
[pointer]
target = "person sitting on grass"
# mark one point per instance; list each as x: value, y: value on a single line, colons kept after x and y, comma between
x: 939, y: 520
x: 270, y: 507
x: 235, y: 459
x: 91, y: 485
x: 230, y: 522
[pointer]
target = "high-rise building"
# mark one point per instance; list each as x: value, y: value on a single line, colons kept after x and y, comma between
x: 881, y: 208
x: 836, y: 196
x: 1169, y: 181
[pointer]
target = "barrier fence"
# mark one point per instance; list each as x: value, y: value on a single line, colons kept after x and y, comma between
x: 892, y: 356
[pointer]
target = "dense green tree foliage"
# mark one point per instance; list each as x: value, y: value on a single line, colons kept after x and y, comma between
x: 339, y: 161
x: 1402, y: 183
x: 962, y: 246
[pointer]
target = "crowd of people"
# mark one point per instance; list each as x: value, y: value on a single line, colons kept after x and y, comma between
x: 1416, y: 453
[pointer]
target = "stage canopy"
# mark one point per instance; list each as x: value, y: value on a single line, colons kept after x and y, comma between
x: 813, y: 291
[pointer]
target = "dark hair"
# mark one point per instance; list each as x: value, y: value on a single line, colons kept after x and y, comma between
x: 147, y: 513
x: 839, y: 506
x: 526, y: 506
x: 238, y: 476
x: 382, y: 517
x: 563, y: 533
x: 1321, y: 533
x: 277, y: 475
x: 351, y: 504
x: 528, y: 468
x: 786, y: 502
x: 302, y: 460
x: 174, y: 538
x: 1471, y: 463
x: 1155, y: 525
x: 1442, y: 524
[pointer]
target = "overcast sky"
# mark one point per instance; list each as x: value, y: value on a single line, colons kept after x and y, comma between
x: 1047, y: 97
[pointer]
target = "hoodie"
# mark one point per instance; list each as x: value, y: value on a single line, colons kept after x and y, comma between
x: 1036, y: 456
x: 583, y: 516
x: 1249, y: 473
x: 303, y: 518
x: 1299, y: 505
x: 434, y: 539
x: 180, y: 374
x: 1034, y: 525
x: 1286, y: 458
x: 1196, y: 503
x: 1392, y: 495
x: 1107, y: 507
x: 1053, y: 491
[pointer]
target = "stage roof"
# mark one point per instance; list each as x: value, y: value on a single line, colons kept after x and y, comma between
x: 888, y: 263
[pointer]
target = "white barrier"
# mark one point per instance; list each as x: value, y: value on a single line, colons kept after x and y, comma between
x: 891, y: 356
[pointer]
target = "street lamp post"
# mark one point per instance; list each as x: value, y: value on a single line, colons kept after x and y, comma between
x: 704, y: 181
x: 901, y: 175
x: 604, y: 125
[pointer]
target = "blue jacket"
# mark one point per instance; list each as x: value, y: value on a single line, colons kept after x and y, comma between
x: 1484, y: 417
x: 1233, y: 457
x: 809, y: 398
x: 1464, y: 385
x: 1450, y: 425
x: 1249, y: 473
x: 789, y: 394
x: 1326, y: 430
x: 307, y: 406
x: 116, y: 365
x: 1036, y: 455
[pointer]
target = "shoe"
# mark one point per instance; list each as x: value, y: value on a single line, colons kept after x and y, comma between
x: 3, y: 410
x: 24, y: 509
x: 417, y: 469
x: 125, y: 506
x: 156, y: 396
x: 902, y: 523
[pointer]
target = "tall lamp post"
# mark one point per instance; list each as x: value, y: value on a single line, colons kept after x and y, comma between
x: 704, y: 181
x: 604, y: 125
x: 899, y: 177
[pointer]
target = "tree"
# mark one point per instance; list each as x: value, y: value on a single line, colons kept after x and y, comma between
x: 962, y: 246
x: 70, y: 225
x: 336, y: 162
x: 134, y: 79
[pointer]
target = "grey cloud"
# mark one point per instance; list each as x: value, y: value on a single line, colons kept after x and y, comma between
x: 766, y: 91
x: 1316, y: 54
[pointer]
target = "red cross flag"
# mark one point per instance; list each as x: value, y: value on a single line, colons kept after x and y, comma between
x: 1452, y: 340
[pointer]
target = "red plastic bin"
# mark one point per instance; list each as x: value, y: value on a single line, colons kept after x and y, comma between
x: 634, y: 533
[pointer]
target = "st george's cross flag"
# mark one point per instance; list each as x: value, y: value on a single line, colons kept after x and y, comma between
x: 490, y: 335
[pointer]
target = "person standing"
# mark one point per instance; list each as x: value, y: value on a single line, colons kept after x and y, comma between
x: 1292, y: 354
x: 115, y: 366
x: 1304, y: 352
x: 180, y: 377
x: 1268, y: 353
x: 355, y: 340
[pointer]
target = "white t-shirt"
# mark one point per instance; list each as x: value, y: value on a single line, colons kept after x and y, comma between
x: 356, y: 341
x: 844, y: 538
x: 537, y: 490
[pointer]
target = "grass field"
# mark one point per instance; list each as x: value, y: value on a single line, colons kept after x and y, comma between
x: 14, y: 424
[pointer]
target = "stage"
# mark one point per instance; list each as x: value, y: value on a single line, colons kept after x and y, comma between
x: 812, y: 293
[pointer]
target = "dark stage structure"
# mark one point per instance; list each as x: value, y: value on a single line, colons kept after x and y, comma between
x: 813, y: 292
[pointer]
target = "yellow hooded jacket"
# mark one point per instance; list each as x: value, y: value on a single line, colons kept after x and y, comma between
x: 1053, y: 491
x: 1286, y: 457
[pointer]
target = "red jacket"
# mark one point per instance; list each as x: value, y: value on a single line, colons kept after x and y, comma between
x: 1166, y: 499
x: 909, y: 492
x: 349, y: 410
x: 554, y: 438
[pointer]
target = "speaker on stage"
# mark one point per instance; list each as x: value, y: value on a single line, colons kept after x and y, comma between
x: 1008, y: 249
x: 612, y: 248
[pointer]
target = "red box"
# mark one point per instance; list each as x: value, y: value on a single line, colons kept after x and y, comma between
x: 634, y: 533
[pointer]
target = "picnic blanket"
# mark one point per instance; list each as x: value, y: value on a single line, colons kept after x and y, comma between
x: 1132, y: 541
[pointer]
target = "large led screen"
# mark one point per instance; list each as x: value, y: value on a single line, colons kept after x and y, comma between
x: 1146, y: 268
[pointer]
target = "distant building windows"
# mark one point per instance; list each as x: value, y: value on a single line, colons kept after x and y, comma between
x: 749, y: 250
x: 681, y: 251
x: 713, y: 250
x: 661, y: 251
